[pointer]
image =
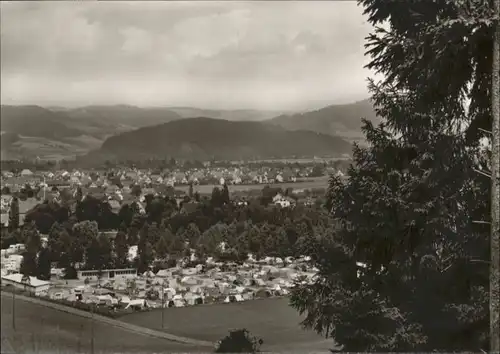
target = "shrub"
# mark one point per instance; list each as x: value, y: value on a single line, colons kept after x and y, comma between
x: 239, y: 341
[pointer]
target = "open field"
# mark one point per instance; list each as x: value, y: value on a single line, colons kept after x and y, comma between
x: 42, y: 329
x: 285, y: 160
x: 270, y: 319
x: 309, y: 183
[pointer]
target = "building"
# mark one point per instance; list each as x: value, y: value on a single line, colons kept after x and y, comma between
x: 26, y: 172
x: 33, y: 285
x: 107, y: 274
x: 284, y: 202
x: 11, y: 263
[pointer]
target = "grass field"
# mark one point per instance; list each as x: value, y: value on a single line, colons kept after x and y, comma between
x: 310, y: 183
x: 270, y: 319
x: 44, y: 330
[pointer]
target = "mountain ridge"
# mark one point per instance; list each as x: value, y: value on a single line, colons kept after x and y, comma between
x: 339, y: 120
x: 59, y: 132
x: 204, y: 138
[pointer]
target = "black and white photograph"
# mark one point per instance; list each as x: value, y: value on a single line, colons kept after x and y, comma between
x: 250, y: 176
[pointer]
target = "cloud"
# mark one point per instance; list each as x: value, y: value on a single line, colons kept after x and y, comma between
x: 283, y: 55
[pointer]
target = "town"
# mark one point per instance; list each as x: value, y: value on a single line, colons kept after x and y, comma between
x: 250, y: 176
x: 158, y: 252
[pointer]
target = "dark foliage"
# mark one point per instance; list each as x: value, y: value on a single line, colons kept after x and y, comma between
x: 239, y: 341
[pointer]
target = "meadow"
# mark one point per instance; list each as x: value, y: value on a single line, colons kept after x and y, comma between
x: 308, y: 183
x: 40, y: 329
x: 273, y: 320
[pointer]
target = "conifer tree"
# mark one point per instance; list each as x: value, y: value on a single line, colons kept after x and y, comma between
x: 14, y: 214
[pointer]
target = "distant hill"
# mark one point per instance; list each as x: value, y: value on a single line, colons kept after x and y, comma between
x: 237, y: 115
x: 336, y: 120
x: 30, y: 131
x: 206, y: 138
x: 115, y: 119
x: 35, y: 121
x: 57, y: 132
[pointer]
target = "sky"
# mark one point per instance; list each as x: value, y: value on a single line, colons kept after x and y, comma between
x: 221, y: 55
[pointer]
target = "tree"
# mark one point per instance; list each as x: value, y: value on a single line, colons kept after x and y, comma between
x: 32, y: 244
x: 42, y: 216
x: 216, y: 199
x: 54, y: 241
x: 145, y: 256
x: 162, y: 246
x: 133, y: 231
x: 191, y: 193
x: 105, y: 251
x: 191, y: 234
x: 444, y: 53
x: 68, y: 252
x: 44, y: 264
x: 84, y: 234
x: 66, y: 197
x: 239, y: 341
x: 88, y: 209
x: 136, y: 190
x: 92, y: 255
x: 145, y: 251
x: 254, y: 241
x: 155, y: 209
x: 211, y: 239
x: 410, y: 197
x: 268, y: 193
x: 31, y: 237
x: 79, y: 194
x: 121, y: 248
x: 437, y: 50
x: 177, y: 245
x: 317, y: 171
x: 153, y: 233
x: 225, y: 194
x: 14, y: 214
x: 278, y: 245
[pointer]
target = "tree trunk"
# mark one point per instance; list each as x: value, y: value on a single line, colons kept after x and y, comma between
x: 495, y: 193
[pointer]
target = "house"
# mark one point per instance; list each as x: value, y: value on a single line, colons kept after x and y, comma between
x: 31, y: 284
x: 107, y: 274
x: 4, y: 220
x: 132, y: 252
x: 58, y: 183
x: 193, y: 299
x: 136, y: 304
x: 11, y: 262
x: 132, y: 175
x: 26, y: 173
x: 282, y: 201
x: 18, y: 247
x: 59, y: 294
x: 75, y: 180
x: 115, y: 205
x: 233, y: 298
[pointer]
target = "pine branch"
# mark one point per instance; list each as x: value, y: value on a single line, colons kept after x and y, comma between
x: 483, y: 173
x: 479, y: 261
x: 481, y: 222
x: 485, y: 131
